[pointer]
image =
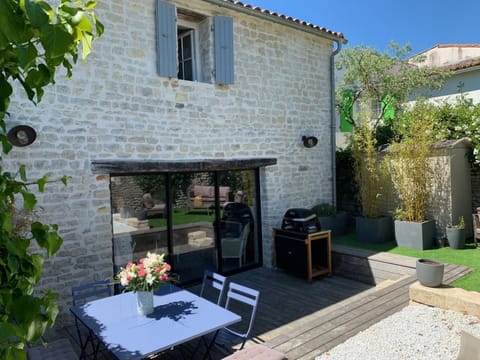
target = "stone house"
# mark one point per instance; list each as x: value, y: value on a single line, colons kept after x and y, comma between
x: 178, y: 94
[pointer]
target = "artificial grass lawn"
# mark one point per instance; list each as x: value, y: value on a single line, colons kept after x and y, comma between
x: 470, y: 256
x: 183, y: 216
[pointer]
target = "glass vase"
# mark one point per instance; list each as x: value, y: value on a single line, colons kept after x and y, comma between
x: 144, y: 302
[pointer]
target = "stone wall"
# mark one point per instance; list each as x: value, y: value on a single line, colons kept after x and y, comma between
x: 116, y: 107
x: 452, y: 193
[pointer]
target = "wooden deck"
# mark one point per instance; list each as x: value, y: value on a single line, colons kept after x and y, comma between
x: 303, y: 319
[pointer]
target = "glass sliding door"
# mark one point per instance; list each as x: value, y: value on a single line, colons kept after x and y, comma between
x: 201, y: 220
x: 238, y: 231
x: 192, y: 229
x: 139, y: 217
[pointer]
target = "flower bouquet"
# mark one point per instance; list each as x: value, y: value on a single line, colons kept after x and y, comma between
x: 144, y: 277
x: 150, y: 272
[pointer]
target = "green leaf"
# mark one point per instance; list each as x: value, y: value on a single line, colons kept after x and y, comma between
x: 39, y: 77
x: 27, y: 55
x: 87, y: 40
x: 46, y: 238
x: 37, y: 263
x: 29, y: 200
x: 23, y: 173
x: 56, y: 41
x: 64, y: 180
x: 7, y: 330
x: 13, y: 264
x: 7, y: 223
x: 41, y: 183
x: 5, y: 87
x: 12, y: 24
x: 98, y: 25
x: 6, y: 144
x: 90, y: 4
x: 37, y: 14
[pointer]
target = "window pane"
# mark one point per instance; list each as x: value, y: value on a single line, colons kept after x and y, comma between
x: 193, y: 231
x: 138, y: 217
x: 238, y: 228
x: 188, y: 70
x: 187, y: 47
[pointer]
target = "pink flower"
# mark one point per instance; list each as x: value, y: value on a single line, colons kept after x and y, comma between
x: 164, y: 277
x: 142, y: 273
x: 168, y: 267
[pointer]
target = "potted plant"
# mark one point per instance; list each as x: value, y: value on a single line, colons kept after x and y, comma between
x: 372, y: 226
x: 456, y: 234
x: 330, y: 219
x: 429, y: 272
x: 411, y: 177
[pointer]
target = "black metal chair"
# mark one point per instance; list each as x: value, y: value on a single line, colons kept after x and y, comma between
x: 80, y: 295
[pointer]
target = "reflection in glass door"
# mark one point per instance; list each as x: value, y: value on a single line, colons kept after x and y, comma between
x: 201, y: 221
x: 193, y: 217
x: 238, y: 231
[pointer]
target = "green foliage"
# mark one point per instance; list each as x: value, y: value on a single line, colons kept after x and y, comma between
x: 153, y: 184
x: 460, y: 224
x: 374, y: 76
x: 324, y: 209
x: 459, y: 119
x: 35, y: 40
x: 409, y: 162
x: 369, y: 170
x: 24, y: 316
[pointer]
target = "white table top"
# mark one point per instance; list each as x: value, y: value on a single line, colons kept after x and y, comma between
x: 178, y: 317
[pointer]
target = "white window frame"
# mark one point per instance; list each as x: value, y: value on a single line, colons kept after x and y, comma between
x: 193, y: 28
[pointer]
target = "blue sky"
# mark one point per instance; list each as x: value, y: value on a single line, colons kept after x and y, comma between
x: 421, y: 23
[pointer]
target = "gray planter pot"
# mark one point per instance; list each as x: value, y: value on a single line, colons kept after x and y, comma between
x: 429, y: 272
x: 374, y: 230
x: 338, y: 223
x: 415, y: 235
x: 456, y: 238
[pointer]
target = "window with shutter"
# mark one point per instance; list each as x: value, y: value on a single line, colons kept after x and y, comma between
x: 183, y: 35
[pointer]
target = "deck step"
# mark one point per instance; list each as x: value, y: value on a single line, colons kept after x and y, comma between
x: 312, y: 335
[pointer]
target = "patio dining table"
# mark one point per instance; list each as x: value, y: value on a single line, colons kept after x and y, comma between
x: 179, y: 316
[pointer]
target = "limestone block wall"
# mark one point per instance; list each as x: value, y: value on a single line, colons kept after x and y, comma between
x: 117, y: 107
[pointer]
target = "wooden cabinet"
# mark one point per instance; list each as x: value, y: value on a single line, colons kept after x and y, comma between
x: 307, y: 255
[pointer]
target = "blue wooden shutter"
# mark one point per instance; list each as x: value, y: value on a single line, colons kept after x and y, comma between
x: 166, y: 39
x: 223, y: 27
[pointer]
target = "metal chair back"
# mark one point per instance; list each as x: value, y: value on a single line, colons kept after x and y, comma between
x: 248, y: 297
x: 215, y: 281
x: 82, y: 294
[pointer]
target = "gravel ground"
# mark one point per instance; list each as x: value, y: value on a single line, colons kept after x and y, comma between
x: 415, y: 333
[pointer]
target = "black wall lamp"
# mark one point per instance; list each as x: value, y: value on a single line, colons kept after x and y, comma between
x: 21, y: 135
x: 309, y: 141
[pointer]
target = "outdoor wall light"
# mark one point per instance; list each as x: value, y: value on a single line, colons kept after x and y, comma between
x: 21, y: 135
x: 309, y: 141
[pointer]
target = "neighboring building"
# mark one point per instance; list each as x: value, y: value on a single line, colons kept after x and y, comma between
x: 464, y: 62
x: 196, y: 102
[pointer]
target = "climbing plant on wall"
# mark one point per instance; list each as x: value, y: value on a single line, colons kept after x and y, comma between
x: 35, y: 41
